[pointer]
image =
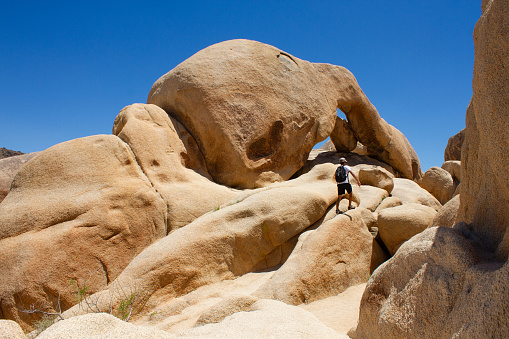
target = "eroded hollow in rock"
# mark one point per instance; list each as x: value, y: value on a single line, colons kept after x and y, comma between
x: 267, y: 144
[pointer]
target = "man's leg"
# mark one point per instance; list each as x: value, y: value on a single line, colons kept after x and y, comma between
x: 350, y: 196
x: 340, y: 196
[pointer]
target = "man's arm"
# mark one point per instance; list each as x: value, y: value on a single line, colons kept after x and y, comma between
x: 358, y: 181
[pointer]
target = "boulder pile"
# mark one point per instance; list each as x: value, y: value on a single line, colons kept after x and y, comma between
x: 205, y: 213
x: 453, y: 282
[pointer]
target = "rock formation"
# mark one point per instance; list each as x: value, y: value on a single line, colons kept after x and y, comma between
x: 79, y: 210
x: 377, y: 177
x: 439, y: 183
x: 175, y: 172
x: 485, y: 154
x: 454, y: 144
x: 453, y: 282
x: 10, y: 330
x: 321, y: 265
x: 343, y: 137
x: 228, y: 242
x: 454, y: 169
x: 9, y: 166
x: 410, y: 192
x: 152, y: 218
x: 256, y: 112
x: 398, y: 224
x: 447, y: 215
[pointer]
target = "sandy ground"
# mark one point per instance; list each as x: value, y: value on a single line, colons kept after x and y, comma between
x: 339, y: 312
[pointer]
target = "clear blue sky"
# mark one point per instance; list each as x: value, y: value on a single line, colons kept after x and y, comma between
x: 68, y: 68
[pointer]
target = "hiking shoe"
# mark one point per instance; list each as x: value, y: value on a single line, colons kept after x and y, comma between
x: 338, y: 211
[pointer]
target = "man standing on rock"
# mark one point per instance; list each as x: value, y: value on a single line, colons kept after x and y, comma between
x: 343, y: 182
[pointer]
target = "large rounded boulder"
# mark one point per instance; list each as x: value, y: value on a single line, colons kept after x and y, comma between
x: 80, y: 210
x: 169, y: 163
x: 256, y: 112
x: 398, y: 224
x: 439, y: 183
x: 453, y: 148
x: 8, y: 168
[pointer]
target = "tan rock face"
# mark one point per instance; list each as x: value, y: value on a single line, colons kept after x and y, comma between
x: 398, y: 224
x: 446, y: 216
x: 321, y: 265
x: 388, y: 203
x: 100, y: 325
x: 259, y: 322
x: 410, y: 192
x: 376, y: 176
x: 413, y: 295
x: 228, y: 242
x: 453, y: 148
x: 79, y: 210
x: 165, y: 160
x: 10, y: 330
x: 382, y: 141
x: 485, y: 155
x: 436, y: 285
x: 454, y: 168
x: 256, y: 112
x: 8, y: 168
x: 370, y: 197
x: 439, y: 183
x: 343, y: 137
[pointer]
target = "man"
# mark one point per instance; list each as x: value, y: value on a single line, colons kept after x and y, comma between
x: 343, y: 182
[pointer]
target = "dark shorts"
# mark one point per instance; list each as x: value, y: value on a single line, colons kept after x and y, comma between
x: 343, y: 187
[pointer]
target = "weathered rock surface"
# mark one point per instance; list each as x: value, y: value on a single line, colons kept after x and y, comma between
x: 79, y: 210
x: 355, y: 161
x: 10, y: 330
x: 446, y: 216
x: 339, y: 312
x: 398, y: 224
x: 360, y: 149
x: 255, y: 111
x: 228, y: 242
x: 454, y: 169
x: 377, y: 177
x: 409, y: 192
x: 413, y: 295
x: 100, y: 325
x: 453, y: 148
x: 388, y: 203
x: 343, y: 137
x: 370, y: 197
x: 8, y: 168
x: 457, y: 190
x: 439, y: 183
x: 259, y: 322
x: 322, y: 263
x: 435, y: 286
x: 453, y: 283
x: 207, y: 304
x: 282, y: 107
x: 163, y: 157
x: 485, y: 154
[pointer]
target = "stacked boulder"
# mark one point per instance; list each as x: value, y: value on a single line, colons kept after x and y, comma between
x: 453, y: 282
x: 206, y: 184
